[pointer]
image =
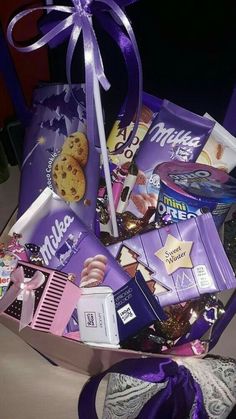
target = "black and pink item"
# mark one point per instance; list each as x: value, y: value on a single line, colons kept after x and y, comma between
x: 39, y: 297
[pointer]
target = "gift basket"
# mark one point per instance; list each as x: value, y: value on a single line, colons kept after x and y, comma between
x: 121, y: 247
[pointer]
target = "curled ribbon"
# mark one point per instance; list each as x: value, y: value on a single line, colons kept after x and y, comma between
x: 27, y: 288
x: 79, y: 20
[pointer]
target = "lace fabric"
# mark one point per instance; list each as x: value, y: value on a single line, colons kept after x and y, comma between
x: 216, y: 376
x: 217, y: 379
x: 126, y: 396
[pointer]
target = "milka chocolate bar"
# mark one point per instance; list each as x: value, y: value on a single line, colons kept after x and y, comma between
x: 180, y: 261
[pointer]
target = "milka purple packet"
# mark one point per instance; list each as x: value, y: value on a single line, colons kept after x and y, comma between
x: 175, y: 134
x: 57, y: 152
x: 63, y: 241
x: 179, y: 262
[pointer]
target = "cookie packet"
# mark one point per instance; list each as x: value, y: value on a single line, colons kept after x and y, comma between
x: 175, y: 134
x: 57, y: 152
x: 179, y: 261
x: 119, y: 134
x: 220, y: 148
x: 65, y: 243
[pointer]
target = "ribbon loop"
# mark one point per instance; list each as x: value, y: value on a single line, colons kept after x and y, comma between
x: 80, y: 20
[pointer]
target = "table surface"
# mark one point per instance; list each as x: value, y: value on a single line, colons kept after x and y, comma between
x: 9, y: 195
x: 31, y: 387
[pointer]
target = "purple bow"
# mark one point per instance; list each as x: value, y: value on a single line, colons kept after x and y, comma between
x: 78, y: 21
x: 181, y: 397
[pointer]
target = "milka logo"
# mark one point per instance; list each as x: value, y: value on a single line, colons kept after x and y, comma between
x: 162, y: 135
x: 51, y: 243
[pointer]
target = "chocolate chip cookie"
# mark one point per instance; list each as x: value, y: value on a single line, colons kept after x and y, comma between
x: 76, y: 146
x: 68, y: 177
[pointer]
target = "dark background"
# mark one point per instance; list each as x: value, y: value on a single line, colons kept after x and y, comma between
x: 188, y: 52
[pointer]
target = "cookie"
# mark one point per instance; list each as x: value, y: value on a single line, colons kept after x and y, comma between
x: 76, y: 146
x: 68, y: 177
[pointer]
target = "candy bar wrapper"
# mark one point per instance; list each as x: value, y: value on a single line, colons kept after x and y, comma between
x: 175, y: 134
x: 57, y: 152
x: 65, y: 243
x: 17, y: 249
x: 179, y: 262
x: 136, y: 307
x: 119, y: 134
x: 220, y: 149
x: 54, y: 301
x: 8, y: 262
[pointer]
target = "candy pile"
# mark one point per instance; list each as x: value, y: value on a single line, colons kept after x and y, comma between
x: 154, y: 288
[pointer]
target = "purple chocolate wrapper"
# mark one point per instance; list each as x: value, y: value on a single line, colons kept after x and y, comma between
x: 175, y: 134
x: 56, y: 116
x: 179, y: 261
x: 65, y: 242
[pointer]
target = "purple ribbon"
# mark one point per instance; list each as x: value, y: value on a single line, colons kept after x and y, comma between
x: 78, y: 21
x: 181, y: 396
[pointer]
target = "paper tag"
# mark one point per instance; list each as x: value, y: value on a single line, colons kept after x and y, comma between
x: 90, y: 319
x: 202, y: 278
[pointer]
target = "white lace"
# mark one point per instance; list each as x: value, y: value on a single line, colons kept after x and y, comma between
x: 126, y: 396
x: 217, y: 379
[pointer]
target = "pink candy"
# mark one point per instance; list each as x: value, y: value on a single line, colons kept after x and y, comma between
x: 94, y: 270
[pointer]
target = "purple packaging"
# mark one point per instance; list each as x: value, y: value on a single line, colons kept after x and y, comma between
x: 180, y: 262
x: 65, y: 242
x: 175, y: 134
x: 136, y: 307
x: 57, y: 152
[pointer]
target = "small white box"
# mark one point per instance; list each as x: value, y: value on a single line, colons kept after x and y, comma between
x: 97, y: 316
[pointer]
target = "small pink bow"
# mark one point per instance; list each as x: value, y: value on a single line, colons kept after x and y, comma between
x: 27, y: 288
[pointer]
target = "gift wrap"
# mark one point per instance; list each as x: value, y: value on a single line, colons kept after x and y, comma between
x: 51, y: 293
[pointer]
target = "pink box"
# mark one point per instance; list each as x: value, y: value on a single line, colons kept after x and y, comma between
x: 55, y: 300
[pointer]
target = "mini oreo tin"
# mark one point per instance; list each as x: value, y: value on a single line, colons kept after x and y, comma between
x: 191, y: 189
